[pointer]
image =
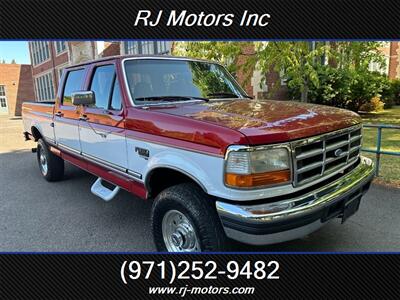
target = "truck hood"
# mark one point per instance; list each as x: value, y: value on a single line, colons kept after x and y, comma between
x: 267, y: 121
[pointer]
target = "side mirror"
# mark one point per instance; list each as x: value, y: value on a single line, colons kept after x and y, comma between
x: 83, y: 98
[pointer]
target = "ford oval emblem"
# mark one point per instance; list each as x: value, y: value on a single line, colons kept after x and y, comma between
x: 338, y: 152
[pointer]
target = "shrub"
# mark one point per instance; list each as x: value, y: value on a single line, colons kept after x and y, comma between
x: 389, y: 103
x: 333, y: 88
x: 374, y: 105
x: 395, y: 91
x: 391, y: 95
x: 395, y: 86
x: 345, y: 88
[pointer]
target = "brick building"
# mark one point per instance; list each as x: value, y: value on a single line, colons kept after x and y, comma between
x: 391, y: 52
x: 394, y: 60
x: 274, y: 87
x: 50, y: 58
x: 16, y: 86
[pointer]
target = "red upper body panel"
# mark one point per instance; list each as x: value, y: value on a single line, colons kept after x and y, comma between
x: 154, y: 125
x: 261, y: 122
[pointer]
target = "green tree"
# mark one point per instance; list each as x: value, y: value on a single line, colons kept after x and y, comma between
x: 299, y: 61
x: 226, y: 53
x: 347, y: 80
x: 13, y: 61
x: 302, y: 63
x: 357, y: 55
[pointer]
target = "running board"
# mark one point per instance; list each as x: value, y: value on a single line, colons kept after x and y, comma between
x: 103, y: 192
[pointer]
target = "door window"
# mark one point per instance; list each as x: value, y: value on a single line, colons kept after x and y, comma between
x: 73, y: 84
x: 102, y: 84
x: 116, y: 96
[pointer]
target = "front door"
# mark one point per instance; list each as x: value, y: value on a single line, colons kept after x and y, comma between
x: 3, y: 100
x: 102, y: 131
x: 66, y: 115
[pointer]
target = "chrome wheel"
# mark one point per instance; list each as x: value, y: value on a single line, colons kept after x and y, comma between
x: 179, y: 233
x: 43, y: 162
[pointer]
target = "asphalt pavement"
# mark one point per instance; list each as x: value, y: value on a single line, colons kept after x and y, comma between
x: 36, y: 215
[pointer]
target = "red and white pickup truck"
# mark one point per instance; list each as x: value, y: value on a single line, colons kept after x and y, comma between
x: 216, y: 163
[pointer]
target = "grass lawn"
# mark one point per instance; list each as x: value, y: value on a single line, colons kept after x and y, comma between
x: 390, y: 165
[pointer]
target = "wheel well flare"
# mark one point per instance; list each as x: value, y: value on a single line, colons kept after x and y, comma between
x: 161, y: 178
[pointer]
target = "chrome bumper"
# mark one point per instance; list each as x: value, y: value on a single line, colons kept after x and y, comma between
x: 294, y: 216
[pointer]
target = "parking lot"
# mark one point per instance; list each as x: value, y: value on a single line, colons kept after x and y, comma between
x: 36, y: 215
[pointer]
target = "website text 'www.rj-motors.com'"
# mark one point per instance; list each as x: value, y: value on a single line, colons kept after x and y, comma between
x: 208, y: 290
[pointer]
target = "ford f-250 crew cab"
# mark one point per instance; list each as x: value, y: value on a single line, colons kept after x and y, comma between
x: 216, y: 163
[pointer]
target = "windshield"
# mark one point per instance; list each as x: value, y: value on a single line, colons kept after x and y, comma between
x: 158, y: 80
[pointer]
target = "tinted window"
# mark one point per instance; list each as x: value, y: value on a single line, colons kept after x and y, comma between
x: 149, y: 79
x: 116, y: 96
x: 101, y: 85
x: 73, y: 84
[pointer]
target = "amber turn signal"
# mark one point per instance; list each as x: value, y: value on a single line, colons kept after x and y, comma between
x: 254, y: 180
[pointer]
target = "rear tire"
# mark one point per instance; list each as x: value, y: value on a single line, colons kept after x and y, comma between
x: 51, y: 166
x: 184, y: 219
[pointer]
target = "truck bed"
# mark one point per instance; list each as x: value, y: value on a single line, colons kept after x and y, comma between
x: 39, y: 115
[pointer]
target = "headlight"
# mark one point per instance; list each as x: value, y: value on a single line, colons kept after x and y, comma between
x: 252, y: 167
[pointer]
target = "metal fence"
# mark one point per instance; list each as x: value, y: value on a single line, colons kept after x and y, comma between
x: 378, y: 150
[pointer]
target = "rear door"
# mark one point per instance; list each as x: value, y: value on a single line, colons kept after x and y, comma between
x: 102, y: 134
x: 66, y: 115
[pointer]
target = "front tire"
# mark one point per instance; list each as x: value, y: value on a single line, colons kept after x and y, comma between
x: 184, y: 219
x: 51, y: 166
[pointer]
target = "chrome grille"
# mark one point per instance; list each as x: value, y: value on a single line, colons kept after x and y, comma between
x: 317, y: 157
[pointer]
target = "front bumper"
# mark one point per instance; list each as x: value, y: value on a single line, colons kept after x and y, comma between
x: 294, y: 216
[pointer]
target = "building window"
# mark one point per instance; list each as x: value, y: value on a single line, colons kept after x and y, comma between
x: 44, y: 87
x: 60, y: 47
x: 40, y: 52
x: 146, y: 47
x: 162, y: 47
x: 60, y: 71
x: 131, y: 47
x: 3, y: 100
x: 2, y: 91
x: 283, y: 77
x: 375, y: 66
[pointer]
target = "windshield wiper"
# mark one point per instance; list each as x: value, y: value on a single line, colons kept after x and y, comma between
x: 170, y: 98
x: 226, y: 95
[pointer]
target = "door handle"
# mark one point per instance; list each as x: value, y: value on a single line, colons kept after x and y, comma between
x: 84, y: 118
x: 59, y: 114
